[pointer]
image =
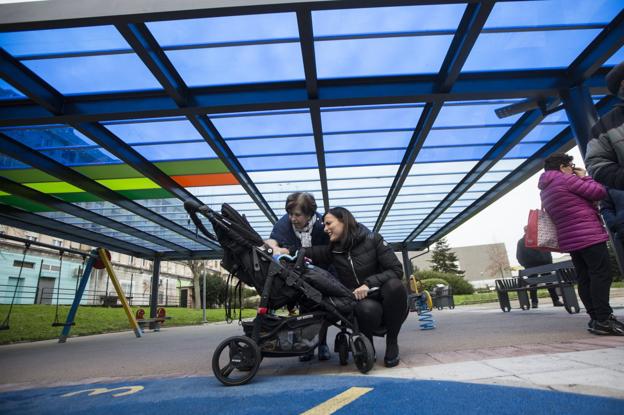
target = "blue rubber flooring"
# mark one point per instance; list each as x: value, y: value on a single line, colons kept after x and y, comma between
x: 297, y: 394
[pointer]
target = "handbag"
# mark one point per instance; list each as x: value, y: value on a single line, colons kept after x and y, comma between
x: 541, y: 233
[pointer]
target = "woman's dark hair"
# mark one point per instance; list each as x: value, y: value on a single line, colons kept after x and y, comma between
x: 556, y: 160
x: 350, y: 224
x: 303, y: 201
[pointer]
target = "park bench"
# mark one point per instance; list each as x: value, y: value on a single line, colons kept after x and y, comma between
x: 560, y: 275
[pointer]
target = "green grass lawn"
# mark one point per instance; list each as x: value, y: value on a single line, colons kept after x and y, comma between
x: 34, y: 322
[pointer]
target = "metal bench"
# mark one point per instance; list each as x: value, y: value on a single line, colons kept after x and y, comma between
x: 560, y: 275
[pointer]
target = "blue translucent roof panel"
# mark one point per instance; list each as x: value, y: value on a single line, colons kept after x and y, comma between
x: 381, y: 157
x: 177, y: 151
x: 231, y: 65
x: 7, y: 91
x: 528, y: 50
x: 455, y: 153
x: 154, y: 131
x: 375, y: 57
x: 213, y: 30
x: 81, y: 156
x: 477, y: 114
x: 265, y: 124
x: 48, y: 136
x: 552, y: 12
x: 349, y: 119
x: 7, y: 162
x: 465, y: 136
x: 63, y: 41
x: 387, y: 20
x: 265, y: 146
x: 280, y: 162
x: 95, y: 74
x: 616, y: 58
x: 277, y: 185
x: 543, y: 133
x: 338, y: 142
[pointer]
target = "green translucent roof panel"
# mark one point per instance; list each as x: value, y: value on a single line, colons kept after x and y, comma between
x: 215, y: 30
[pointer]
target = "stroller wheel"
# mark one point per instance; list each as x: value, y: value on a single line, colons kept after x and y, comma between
x: 236, y: 360
x: 363, y: 353
x: 342, y: 347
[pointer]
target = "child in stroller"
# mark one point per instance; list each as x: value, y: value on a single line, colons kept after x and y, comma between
x: 278, y: 280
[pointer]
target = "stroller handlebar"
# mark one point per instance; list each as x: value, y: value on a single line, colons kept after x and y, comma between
x: 192, y: 207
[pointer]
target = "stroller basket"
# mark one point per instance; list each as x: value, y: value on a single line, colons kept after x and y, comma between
x: 297, y: 334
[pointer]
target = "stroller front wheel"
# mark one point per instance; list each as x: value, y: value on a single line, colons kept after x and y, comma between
x: 363, y: 353
x: 236, y: 360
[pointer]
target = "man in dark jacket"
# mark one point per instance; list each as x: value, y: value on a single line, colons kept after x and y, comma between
x: 612, y: 210
x: 604, y: 157
x: 529, y: 257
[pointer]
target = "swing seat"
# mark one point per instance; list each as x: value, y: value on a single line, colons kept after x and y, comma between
x: 63, y: 324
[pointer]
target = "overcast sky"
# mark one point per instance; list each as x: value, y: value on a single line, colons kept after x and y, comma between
x: 504, y: 220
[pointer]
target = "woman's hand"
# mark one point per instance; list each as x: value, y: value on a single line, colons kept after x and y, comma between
x: 361, y: 292
x: 579, y: 172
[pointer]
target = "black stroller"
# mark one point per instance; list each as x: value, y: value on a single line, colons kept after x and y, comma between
x: 279, y: 281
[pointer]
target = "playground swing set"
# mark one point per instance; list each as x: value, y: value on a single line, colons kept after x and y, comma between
x: 99, y: 259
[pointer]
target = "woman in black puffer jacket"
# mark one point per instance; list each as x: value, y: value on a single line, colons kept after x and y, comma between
x: 363, y: 260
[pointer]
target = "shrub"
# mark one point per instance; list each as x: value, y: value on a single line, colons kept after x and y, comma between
x: 457, y: 282
x: 430, y: 283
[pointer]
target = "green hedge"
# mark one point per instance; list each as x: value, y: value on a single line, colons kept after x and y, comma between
x: 430, y: 283
x: 457, y: 282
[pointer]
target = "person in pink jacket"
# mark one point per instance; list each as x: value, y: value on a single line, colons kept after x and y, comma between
x: 570, y: 197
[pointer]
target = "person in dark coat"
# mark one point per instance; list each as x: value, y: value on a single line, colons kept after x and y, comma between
x: 301, y: 226
x: 612, y: 210
x: 529, y: 257
x: 364, y: 260
x: 569, y: 196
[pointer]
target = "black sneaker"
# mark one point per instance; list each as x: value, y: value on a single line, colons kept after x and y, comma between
x: 608, y: 327
x: 590, y: 325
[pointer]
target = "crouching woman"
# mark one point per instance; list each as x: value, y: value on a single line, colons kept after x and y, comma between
x: 363, y: 260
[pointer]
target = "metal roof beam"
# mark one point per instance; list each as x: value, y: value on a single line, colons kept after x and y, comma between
x: 141, y: 40
x: 31, y: 85
x: 306, y: 36
x: 52, y: 202
x: 562, y: 142
x: 293, y: 95
x: 212, y: 136
x: 608, y: 42
x: 521, y: 128
x: 26, y: 155
x: 29, y: 221
x: 150, y: 52
x: 469, y: 28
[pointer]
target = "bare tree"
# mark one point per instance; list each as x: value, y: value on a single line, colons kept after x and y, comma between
x: 499, y: 263
x: 198, y: 268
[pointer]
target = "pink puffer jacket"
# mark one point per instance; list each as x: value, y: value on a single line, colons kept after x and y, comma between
x: 569, y: 200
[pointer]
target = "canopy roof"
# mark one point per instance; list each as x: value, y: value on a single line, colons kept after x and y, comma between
x: 110, y: 119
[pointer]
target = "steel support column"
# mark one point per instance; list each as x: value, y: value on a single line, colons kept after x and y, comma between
x: 407, y: 264
x: 581, y: 112
x: 155, y: 285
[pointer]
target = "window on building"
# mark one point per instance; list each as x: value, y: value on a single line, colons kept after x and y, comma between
x: 57, y: 242
x: 31, y: 238
x: 24, y: 264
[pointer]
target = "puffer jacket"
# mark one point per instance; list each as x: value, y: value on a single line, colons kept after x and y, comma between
x: 569, y: 200
x: 369, y: 261
x: 604, y: 157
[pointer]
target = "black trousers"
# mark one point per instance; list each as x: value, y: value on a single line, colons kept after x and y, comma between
x: 593, y: 268
x: 386, y: 308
